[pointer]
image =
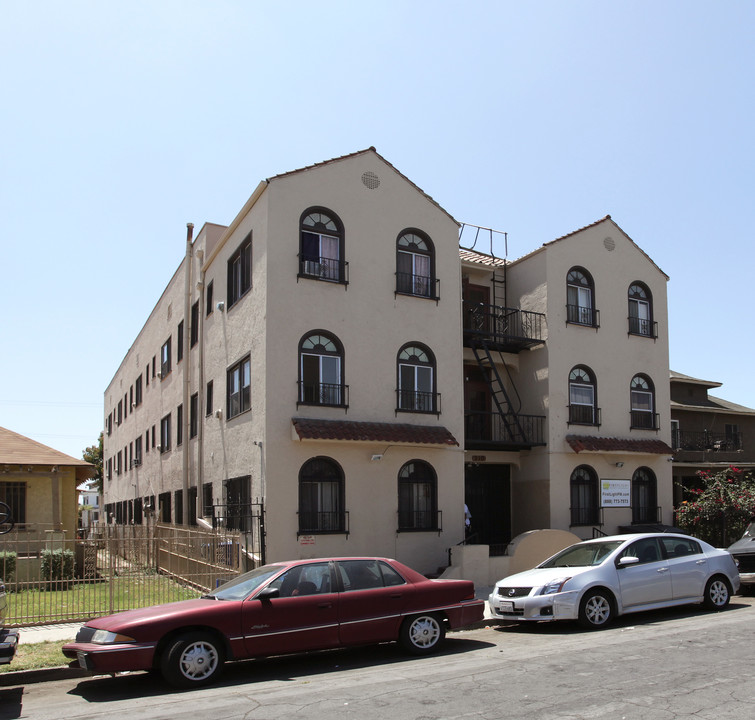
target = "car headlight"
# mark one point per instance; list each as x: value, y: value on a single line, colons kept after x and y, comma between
x: 104, y: 637
x: 554, y: 586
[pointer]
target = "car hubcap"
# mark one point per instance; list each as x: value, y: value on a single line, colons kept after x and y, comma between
x: 424, y: 632
x: 199, y: 661
x: 597, y: 610
x: 719, y: 593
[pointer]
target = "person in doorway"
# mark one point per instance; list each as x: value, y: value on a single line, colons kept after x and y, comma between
x: 467, y: 520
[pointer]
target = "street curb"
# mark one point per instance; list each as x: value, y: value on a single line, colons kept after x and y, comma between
x: 27, y: 677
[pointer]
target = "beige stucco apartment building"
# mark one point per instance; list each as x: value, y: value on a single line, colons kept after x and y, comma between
x: 333, y: 358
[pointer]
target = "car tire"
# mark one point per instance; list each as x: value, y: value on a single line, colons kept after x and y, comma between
x: 596, y: 609
x: 192, y: 659
x: 422, y: 634
x: 717, y: 593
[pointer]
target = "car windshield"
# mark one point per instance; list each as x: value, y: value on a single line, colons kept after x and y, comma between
x: 582, y: 555
x: 245, y: 584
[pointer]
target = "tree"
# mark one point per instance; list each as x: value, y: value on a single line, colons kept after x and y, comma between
x: 721, y: 509
x: 93, y: 454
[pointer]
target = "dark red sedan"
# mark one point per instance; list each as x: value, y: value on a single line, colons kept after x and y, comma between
x: 281, y: 608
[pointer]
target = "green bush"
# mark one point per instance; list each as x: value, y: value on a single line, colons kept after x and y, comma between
x: 57, y: 565
x: 7, y: 565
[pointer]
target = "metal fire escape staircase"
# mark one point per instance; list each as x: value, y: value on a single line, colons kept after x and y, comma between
x: 509, y: 415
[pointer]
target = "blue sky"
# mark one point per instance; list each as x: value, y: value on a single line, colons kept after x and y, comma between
x: 123, y: 121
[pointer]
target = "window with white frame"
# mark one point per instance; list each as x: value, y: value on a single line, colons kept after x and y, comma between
x: 321, y: 370
x: 416, y: 379
x: 580, y: 298
x: 640, y: 310
x: 239, y: 383
x: 415, y: 264
x: 321, y: 246
x: 642, y: 403
x: 582, y: 405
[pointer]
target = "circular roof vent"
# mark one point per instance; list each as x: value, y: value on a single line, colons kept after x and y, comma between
x: 370, y: 180
x: 609, y: 244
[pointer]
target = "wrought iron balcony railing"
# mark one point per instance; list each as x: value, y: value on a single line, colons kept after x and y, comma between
x: 323, y: 268
x: 643, y: 420
x: 330, y: 394
x: 419, y: 520
x: 419, y: 285
x: 417, y: 402
x: 584, y: 415
x: 513, y: 431
x: 580, y: 315
x: 641, y: 326
x: 509, y: 328
x: 312, y: 522
x: 704, y: 440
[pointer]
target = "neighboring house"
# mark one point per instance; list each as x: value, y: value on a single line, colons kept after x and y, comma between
x: 565, y: 359
x: 89, y: 505
x: 311, y: 358
x: 708, y: 433
x: 39, y: 484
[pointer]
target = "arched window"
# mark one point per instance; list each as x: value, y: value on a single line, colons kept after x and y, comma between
x: 417, y: 497
x: 321, y: 247
x: 580, y: 298
x: 321, y: 370
x: 583, y: 408
x: 321, y: 497
x: 641, y: 310
x: 644, y: 496
x: 584, y: 496
x: 416, y: 380
x: 642, y: 398
x: 415, y: 264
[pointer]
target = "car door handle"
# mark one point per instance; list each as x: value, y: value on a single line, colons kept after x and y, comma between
x: 663, y: 569
x: 397, y: 595
x: 325, y: 605
x: 700, y: 562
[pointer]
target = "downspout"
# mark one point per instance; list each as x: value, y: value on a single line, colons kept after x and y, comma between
x: 199, y: 510
x: 186, y: 374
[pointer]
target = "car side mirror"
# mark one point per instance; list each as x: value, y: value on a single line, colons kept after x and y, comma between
x: 267, y: 594
x: 625, y: 561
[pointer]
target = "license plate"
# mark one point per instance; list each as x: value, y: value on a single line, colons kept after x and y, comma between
x: 507, y: 607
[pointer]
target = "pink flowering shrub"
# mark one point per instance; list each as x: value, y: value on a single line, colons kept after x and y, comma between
x: 721, y: 509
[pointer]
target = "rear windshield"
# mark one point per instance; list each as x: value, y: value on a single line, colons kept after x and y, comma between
x: 582, y: 555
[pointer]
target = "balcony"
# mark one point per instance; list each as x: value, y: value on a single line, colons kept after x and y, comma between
x: 584, y: 415
x: 417, y: 285
x: 320, y: 522
x: 643, y: 420
x: 581, y: 315
x: 643, y: 327
x: 328, y: 394
x: 420, y: 521
x: 705, y: 441
x: 506, y: 329
x: 417, y: 402
x: 323, y: 268
x: 493, y: 431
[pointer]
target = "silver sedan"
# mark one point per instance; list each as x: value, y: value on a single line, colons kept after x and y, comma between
x: 596, y: 580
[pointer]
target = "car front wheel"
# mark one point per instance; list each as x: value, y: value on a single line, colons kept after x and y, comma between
x: 192, y: 659
x: 422, y: 634
x: 717, y: 593
x: 596, y: 609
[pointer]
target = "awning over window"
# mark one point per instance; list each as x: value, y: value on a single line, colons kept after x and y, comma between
x: 586, y: 443
x: 313, y: 429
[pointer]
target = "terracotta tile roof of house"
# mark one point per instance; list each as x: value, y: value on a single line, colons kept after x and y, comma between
x: 313, y: 429
x: 586, y: 443
x: 467, y: 255
x: 18, y: 449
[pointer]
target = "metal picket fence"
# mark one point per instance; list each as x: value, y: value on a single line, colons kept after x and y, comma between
x: 53, y: 579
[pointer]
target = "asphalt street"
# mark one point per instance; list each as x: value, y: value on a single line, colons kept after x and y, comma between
x: 665, y: 665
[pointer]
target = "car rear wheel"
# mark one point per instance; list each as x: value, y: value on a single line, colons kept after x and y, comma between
x: 596, y: 609
x: 717, y: 593
x: 422, y: 634
x: 192, y: 659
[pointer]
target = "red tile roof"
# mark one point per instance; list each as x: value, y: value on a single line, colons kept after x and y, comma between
x: 586, y: 443
x: 313, y: 429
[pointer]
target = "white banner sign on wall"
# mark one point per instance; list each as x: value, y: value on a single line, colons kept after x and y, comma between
x: 616, y: 493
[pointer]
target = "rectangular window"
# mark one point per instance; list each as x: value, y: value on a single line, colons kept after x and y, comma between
x: 165, y: 434
x: 178, y: 503
x: 138, y: 396
x: 194, y: 330
x: 208, y: 397
x: 207, y: 506
x: 119, y: 463
x: 193, y: 405
x: 180, y: 342
x: 138, y: 451
x: 125, y: 406
x: 153, y: 437
x: 13, y: 494
x: 210, y: 293
x: 165, y: 358
x: 146, y: 441
x: 179, y: 425
x: 239, y: 388
x: 153, y: 367
x: 240, y: 271
x: 110, y: 468
x: 120, y: 413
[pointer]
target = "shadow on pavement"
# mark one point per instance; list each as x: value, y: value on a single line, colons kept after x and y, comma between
x: 286, y: 668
